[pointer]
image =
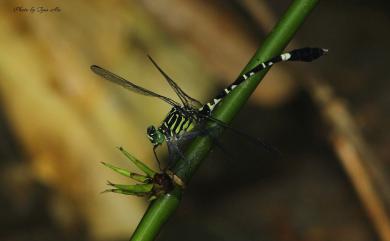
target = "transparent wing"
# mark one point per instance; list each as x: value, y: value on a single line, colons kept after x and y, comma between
x: 184, y: 97
x: 253, y: 139
x: 128, y: 85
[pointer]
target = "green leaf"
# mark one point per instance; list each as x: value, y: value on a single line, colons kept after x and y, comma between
x: 140, y: 178
x: 125, y: 192
x: 138, y: 188
x: 143, y: 167
x: 119, y: 170
x: 126, y: 173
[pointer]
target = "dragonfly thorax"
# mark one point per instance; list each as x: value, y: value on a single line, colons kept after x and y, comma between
x: 178, y: 121
x: 155, y: 135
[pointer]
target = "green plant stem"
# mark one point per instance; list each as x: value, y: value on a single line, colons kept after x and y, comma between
x: 161, y: 209
x: 156, y: 215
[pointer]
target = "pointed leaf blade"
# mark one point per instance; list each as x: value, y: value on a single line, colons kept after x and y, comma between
x: 140, y: 178
x: 125, y: 192
x: 138, y: 188
x: 143, y: 167
x: 126, y: 173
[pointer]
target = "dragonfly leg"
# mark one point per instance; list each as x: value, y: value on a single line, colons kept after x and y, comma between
x: 155, y: 154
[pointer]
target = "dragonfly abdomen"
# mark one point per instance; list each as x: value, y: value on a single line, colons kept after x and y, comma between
x: 303, y: 54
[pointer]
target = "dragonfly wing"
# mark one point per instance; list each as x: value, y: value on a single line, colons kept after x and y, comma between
x: 128, y: 85
x: 174, y: 153
x: 257, y: 140
x: 184, y: 97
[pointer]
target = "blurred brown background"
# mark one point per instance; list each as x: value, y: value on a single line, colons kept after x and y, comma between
x: 329, y: 118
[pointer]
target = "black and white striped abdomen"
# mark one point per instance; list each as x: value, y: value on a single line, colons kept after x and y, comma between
x: 302, y: 54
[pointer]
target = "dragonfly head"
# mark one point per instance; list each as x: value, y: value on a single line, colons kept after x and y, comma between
x: 155, y: 135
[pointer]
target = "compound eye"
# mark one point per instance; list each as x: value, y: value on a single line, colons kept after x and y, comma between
x: 151, y: 130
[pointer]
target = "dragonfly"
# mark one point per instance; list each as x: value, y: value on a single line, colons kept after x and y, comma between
x: 181, y: 123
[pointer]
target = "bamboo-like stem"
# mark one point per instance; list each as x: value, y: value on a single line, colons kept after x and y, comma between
x: 161, y: 209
